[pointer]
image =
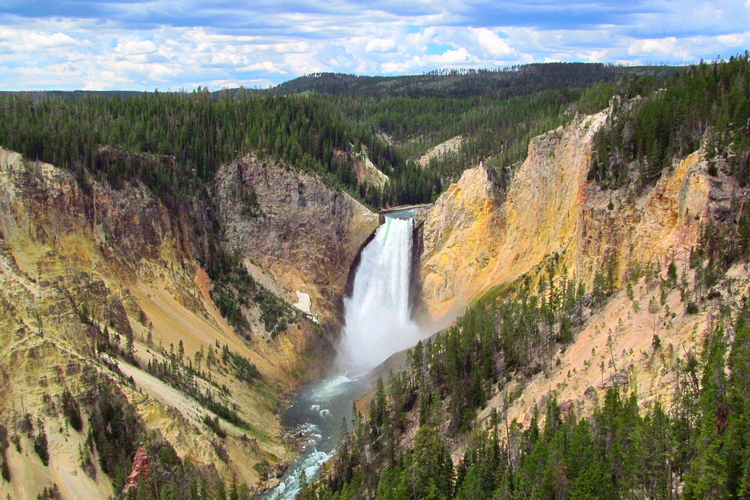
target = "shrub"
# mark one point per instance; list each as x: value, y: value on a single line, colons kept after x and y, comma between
x: 50, y: 493
x: 214, y: 425
x: 71, y: 411
x: 40, y: 444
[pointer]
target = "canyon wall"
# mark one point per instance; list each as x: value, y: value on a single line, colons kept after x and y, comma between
x: 84, y: 267
x: 290, y: 224
x: 477, y: 238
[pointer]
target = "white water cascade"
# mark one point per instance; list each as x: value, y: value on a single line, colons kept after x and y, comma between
x: 377, y: 315
x: 377, y: 324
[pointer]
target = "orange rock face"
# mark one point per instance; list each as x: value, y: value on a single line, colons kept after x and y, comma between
x: 141, y: 467
x: 477, y: 238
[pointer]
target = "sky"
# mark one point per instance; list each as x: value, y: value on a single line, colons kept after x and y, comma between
x: 183, y: 44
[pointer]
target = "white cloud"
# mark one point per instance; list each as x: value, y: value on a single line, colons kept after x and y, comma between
x: 629, y: 62
x: 265, y: 66
x: 32, y: 42
x: 287, y: 47
x: 735, y: 39
x: 451, y: 58
x: 380, y: 45
x: 302, y: 64
x: 593, y: 56
x: 227, y: 58
x: 668, y: 47
x: 133, y: 47
x: 64, y: 70
x: 421, y: 38
x: 492, y: 43
x: 458, y: 56
x: 200, y: 36
x: 268, y: 46
x: 223, y: 84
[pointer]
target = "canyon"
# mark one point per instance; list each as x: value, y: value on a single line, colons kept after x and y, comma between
x: 83, y: 264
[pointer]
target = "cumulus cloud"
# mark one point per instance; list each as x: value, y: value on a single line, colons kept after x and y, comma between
x: 380, y: 45
x: 667, y: 47
x: 32, y: 42
x: 454, y: 57
x: 593, y: 56
x: 265, y: 66
x: 134, y: 47
x: 492, y: 43
x: 735, y: 39
x: 184, y: 43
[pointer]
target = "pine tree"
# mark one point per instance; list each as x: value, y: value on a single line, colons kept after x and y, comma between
x: 431, y: 470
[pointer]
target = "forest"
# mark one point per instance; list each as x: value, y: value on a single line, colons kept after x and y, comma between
x: 693, y: 446
x: 174, y: 142
x: 708, y: 105
x: 500, y: 83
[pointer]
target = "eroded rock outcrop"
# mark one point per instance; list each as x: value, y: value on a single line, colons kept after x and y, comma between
x: 475, y: 239
x: 367, y: 173
x: 141, y: 466
x: 84, y: 267
x: 305, y: 234
x: 443, y: 149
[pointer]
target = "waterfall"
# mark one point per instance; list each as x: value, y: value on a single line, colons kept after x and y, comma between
x: 377, y: 315
x: 377, y: 324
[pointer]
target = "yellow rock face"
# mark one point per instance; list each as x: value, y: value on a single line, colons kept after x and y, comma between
x: 442, y: 149
x: 474, y: 240
x: 74, y: 262
x: 368, y: 173
x: 663, y: 223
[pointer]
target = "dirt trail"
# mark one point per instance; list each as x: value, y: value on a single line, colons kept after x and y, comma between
x: 163, y: 392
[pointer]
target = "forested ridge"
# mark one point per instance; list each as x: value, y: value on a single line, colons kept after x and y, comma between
x: 693, y: 444
x: 174, y: 142
x: 496, y: 112
x: 501, y: 83
x: 708, y: 105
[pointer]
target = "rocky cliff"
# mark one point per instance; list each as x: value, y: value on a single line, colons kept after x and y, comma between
x: 291, y: 224
x: 441, y: 150
x: 477, y: 238
x: 101, y: 292
x: 367, y: 173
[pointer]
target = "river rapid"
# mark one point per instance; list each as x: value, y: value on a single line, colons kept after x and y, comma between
x: 377, y: 324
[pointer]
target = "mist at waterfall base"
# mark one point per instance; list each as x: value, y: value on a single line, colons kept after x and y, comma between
x: 377, y: 324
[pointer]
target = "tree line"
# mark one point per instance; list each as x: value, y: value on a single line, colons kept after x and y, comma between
x: 175, y: 142
x: 708, y: 105
x: 693, y: 446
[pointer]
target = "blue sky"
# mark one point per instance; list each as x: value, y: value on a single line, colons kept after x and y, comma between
x: 174, y: 44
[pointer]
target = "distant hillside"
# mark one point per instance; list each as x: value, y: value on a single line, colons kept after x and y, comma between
x: 500, y: 83
x: 72, y: 95
x: 337, y: 126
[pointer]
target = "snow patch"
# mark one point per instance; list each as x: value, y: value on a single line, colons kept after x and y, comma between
x: 303, y: 302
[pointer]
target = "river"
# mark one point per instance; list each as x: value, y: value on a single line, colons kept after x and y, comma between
x: 377, y: 324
